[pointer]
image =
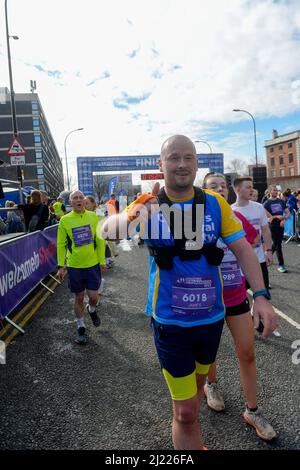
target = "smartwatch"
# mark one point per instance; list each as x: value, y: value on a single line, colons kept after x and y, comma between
x: 262, y: 293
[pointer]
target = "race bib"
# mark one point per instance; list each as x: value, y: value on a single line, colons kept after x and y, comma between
x: 231, y: 275
x: 194, y: 296
x: 82, y: 235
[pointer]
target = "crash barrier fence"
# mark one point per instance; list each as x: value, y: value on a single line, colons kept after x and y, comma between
x: 291, y: 226
x: 25, y: 261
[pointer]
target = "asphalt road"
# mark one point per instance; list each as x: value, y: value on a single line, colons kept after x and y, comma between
x: 110, y: 394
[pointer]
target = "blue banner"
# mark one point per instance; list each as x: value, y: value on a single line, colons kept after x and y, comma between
x: 111, y: 186
x: 24, y: 262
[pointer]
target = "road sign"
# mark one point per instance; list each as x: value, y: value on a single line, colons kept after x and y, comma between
x: 16, y: 148
x: 17, y: 160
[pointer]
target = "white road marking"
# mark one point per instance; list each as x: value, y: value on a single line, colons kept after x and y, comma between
x: 282, y: 315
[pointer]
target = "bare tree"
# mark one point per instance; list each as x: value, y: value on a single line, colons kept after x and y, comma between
x: 100, y: 186
x: 237, y: 166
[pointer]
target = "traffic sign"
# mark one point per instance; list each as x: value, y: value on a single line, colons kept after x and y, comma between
x: 17, y: 160
x: 16, y: 148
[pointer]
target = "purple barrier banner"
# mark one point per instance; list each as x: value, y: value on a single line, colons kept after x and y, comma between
x: 24, y: 262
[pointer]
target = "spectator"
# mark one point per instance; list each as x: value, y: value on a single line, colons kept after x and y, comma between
x: 36, y: 214
x: 13, y: 221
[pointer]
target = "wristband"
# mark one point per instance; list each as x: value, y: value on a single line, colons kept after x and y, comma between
x: 262, y: 293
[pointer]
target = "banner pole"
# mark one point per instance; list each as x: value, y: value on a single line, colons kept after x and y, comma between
x: 15, y: 325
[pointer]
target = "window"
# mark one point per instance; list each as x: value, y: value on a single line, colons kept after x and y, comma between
x: 34, y: 105
x: 282, y: 172
x: 279, y: 147
x: 281, y: 160
x: 291, y: 158
x: 272, y: 160
x: 292, y: 171
x: 40, y: 171
x: 273, y: 173
x: 35, y: 122
x: 290, y: 145
x: 271, y: 149
x: 37, y: 138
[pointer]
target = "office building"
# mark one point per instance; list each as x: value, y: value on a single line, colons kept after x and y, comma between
x: 43, y: 167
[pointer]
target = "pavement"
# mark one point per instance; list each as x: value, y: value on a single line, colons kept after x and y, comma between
x: 110, y: 394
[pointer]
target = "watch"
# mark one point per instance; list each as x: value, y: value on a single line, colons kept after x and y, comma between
x: 262, y: 293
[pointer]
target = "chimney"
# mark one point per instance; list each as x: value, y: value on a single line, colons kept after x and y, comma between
x: 274, y: 134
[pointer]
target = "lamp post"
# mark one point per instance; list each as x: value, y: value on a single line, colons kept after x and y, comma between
x: 203, y: 142
x: 254, y: 126
x: 12, y: 93
x: 65, y: 146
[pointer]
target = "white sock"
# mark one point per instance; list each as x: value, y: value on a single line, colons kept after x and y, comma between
x: 91, y: 309
x: 80, y: 323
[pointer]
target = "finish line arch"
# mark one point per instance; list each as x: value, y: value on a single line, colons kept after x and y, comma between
x: 86, y: 166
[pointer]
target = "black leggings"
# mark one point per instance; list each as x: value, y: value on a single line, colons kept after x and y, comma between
x: 277, y: 237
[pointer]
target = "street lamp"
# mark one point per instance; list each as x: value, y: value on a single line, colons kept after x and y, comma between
x: 65, y: 145
x: 203, y: 142
x: 12, y: 93
x: 254, y: 126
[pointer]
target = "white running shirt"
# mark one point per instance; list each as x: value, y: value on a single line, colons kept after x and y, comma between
x: 256, y: 215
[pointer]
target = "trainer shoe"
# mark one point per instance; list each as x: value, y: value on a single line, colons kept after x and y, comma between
x: 213, y: 397
x: 257, y: 420
x: 81, y: 337
x: 94, y: 316
x: 282, y: 269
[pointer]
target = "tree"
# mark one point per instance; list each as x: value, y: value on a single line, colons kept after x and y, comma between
x: 237, y: 166
x: 100, y: 186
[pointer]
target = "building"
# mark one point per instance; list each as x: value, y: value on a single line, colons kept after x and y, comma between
x: 283, y: 159
x: 43, y: 167
x: 87, y: 166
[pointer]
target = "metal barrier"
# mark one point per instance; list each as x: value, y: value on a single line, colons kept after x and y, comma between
x: 24, y: 263
x: 291, y: 226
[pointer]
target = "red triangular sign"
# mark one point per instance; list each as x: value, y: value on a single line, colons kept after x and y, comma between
x: 16, y: 148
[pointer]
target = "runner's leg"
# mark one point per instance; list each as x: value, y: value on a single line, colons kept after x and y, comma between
x: 241, y: 328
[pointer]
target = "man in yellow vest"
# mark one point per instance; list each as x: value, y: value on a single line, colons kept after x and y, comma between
x: 59, y: 208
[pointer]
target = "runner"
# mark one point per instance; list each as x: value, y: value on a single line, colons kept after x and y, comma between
x: 80, y: 249
x: 59, y: 208
x: 240, y: 324
x: 277, y: 213
x: 256, y: 215
x: 185, y: 291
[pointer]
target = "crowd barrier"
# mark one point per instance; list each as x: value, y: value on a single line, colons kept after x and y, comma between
x: 24, y: 262
x: 291, y: 226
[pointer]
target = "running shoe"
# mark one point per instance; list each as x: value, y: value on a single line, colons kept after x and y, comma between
x: 213, y: 397
x: 94, y: 316
x: 259, y: 422
x: 282, y: 269
x: 81, y: 337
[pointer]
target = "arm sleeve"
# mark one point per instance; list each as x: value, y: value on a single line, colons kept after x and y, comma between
x: 100, y: 248
x: 61, y: 244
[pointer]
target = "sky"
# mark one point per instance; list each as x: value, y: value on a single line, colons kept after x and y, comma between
x: 134, y: 72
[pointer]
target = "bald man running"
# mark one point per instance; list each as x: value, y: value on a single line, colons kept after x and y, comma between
x: 82, y: 252
x: 185, y: 298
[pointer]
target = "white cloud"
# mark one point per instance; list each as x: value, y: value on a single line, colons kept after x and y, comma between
x: 197, y: 60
